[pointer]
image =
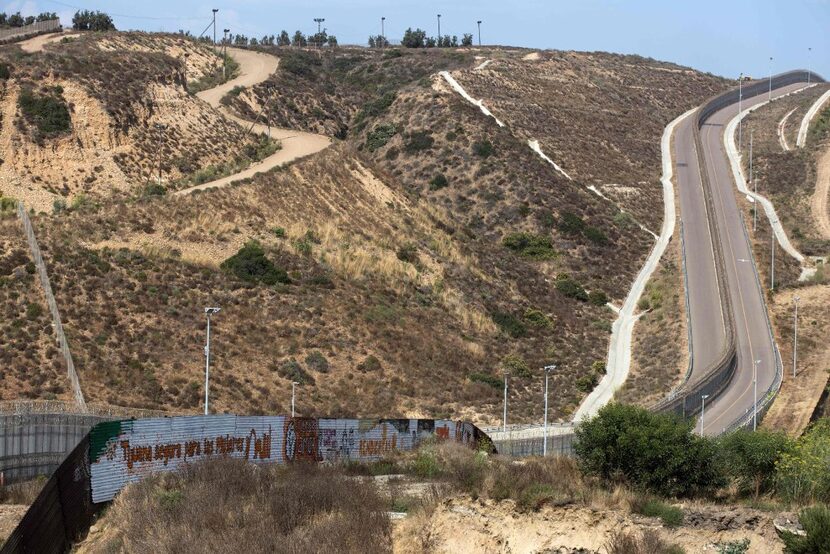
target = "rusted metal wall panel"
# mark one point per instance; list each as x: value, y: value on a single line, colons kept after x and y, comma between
x: 125, y: 451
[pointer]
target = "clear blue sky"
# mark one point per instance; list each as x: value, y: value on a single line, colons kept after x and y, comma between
x: 721, y: 36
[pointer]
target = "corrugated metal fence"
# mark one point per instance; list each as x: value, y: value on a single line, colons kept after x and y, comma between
x: 118, y: 452
x: 38, y: 28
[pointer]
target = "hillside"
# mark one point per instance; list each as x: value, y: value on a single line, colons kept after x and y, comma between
x: 422, y: 253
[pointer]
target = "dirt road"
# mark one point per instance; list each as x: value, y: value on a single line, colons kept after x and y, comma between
x: 821, y: 196
x: 37, y: 43
x: 256, y: 67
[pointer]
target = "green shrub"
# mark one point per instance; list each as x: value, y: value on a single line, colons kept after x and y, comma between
x: 316, y: 361
x: 596, y: 236
x: 570, y: 288
x: 408, y: 253
x: 292, y: 370
x: 733, y: 547
x: 299, y: 63
x: 750, y: 457
x: 816, y: 523
x: 801, y: 473
x: 537, y: 319
x: 46, y: 111
x: 58, y: 206
x: 426, y: 464
x: 33, y: 311
x: 438, y: 182
x: 509, y: 324
x: 279, y: 232
x: 653, y: 452
x: 250, y: 264
x: 5, y: 72
x: 370, y: 363
x: 671, y: 516
x: 376, y: 107
x: 571, y: 224
x: 379, y: 136
x: 7, y: 205
x: 587, y: 383
x: 515, y: 365
x: 487, y: 379
x: 483, y: 148
x: 154, y: 189
x: 529, y: 245
x: 418, y: 142
x: 597, y: 298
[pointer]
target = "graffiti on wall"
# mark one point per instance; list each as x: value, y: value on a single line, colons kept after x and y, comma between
x: 125, y: 451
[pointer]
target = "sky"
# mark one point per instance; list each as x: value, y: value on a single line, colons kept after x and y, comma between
x: 725, y: 37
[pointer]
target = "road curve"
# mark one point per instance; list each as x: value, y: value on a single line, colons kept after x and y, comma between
x: 255, y: 67
x: 748, y: 309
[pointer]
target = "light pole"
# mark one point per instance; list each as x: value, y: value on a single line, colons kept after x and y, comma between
x: 504, y: 424
x: 214, y: 29
x: 770, y: 79
x: 809, y: 51
x: 318, y: 20
x: 772, y: 262
x: 225, y: 55
x: 703, y: 398
x: 754, y: 185
x: 382, y: 32
x: 795, y: 335
x: 740, y: 111
x: 755, y: 395
x: 439, y: 29
x: 208, y: 313
x: 293, y: 386
x: 547, y: 369
x: 479, y: 32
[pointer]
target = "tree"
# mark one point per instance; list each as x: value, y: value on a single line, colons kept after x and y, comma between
x: 92, y: 21
x: 414, y: 39
x: 467, y: 40
x: 16, y: 20
x: 750, y: 457
x: 283, y: 39
x: 816, y: 523
x: 253, y: 41
x: 46, y: 16
x: 240, y: 40
x: 801, y: 473
x: 30, y: 19
x: 372, y: 41
x: 653, y: 452
x: 299, y: 39
x: 332, y: 41
x: 430, y: 42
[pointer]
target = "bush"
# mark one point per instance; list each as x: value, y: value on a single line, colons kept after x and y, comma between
x: 379, y: 136
x: 733, y: 547
x: 653, y: 452
x: 751, y: 456
x: 376, y: 107
x: 529, y: 245
x: 816, y: 523
x: 418, y: 142
x: 515, y: 365
x: 801, y: 473
x: 537, y: 319
x: 250, y: 264
x: 587, y: 383
x: 571, y: 224
x: 47, y: 111
x: 487, y: 379
x: 299, y: 63
x: 370, y: 363
x: 279, y: 232
x: 596, y: 236
x: 570, y: 288
x: 597, y: 298
x: 86, y: 20
x: 509, y: 324
x: 627, y: 542
x: 483, y: 148
x: 5, y: 72
x: 316, y: 361
x: 408, y: 253
x: 154, y: 189
x: 671, y: 516
x: 292, y: 370
x: 414, y: 39
x: 438, y: 182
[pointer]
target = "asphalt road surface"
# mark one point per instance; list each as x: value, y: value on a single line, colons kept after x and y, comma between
x: 748, y: 307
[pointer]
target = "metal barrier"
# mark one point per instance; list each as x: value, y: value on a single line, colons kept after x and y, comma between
x: 27, y: 31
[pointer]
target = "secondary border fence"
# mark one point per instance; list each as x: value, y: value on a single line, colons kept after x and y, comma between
x: 115, y: 453
x: 15, y: 34
x: 53, y: 305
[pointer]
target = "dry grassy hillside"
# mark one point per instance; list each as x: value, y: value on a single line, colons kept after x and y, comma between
x: 81, y: 116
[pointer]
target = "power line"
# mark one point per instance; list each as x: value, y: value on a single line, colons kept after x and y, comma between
x: 128, y: 16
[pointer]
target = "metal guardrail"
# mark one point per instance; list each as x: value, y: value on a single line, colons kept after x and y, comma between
x: 53, y: 305
x: 15, y: 34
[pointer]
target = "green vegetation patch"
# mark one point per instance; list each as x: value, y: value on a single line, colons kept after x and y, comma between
x: 487, y: 379
x: 380, y: 135
x: 250, y: 264
x: 570, y: 287
x: 45, y: 110
x: 671, y: 516
x: 530, y: 245
x: 509, y: 324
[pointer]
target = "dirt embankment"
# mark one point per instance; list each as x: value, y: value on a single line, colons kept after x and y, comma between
x: 821, y: 196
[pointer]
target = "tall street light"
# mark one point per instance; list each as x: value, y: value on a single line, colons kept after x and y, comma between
x: 703, y: 398
x: 755, y: 395
x: 318, y: 20
x: 225, y: 55
x: 740, y: 111
x: 382, y: 31
x: 209, y: 312
x: 770, y: 79
x: 795, y: 335
x: 293, y: 386
x: 439, y: 28
x: 479, y: 32
x: 214, y: 28
x: 504, y: 423
x: 772, y: 261
x: 547, y: 369
x: 809, y: 51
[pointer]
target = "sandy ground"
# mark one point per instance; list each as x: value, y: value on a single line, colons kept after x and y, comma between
x: 256, y: 67
x: 37, y: 43
x: 10, y: 516
x: 821, y: 196
x: 460, y: 525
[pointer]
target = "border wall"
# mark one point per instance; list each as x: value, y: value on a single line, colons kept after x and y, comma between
x: 116, y: 453
x: 15, y: 34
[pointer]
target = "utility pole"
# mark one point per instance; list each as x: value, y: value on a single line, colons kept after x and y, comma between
x: 504, y: 424
x: 754, y: 185
x: 479, y: 32
x: 225, y: 55
x: 755, y: 395
x: 293, y: 385
x: 208, y: 313
x: 439, y: 29
x: 772, y: 263
x: 160, y: 127
x: 703, y: 398
x: 795, y: 335
x: 318, y: 20
x: 770, y: 79
x: 382, y: 32
x: 809, y: 51
x: 740, y: 111
x: 214, y: 29
x: 547, y: 369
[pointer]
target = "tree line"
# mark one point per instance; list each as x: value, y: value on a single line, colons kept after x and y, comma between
x: 419, y: 39
x: 87, y: 20
x: 17, y: 20
x: 283, y: 39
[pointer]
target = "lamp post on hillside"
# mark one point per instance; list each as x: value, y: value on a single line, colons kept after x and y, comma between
x: 770, y: 79
x: 208, y: 313
x: 382, y: 32
x: 504, y: 421
x: 479, y: 32
x: 293, y: 387
x: 439, y: 29
x: 795, y: 335
x: 772, y: 262
x: 318, y: 20
x: 809, y: 51
x: 740, y: 111
x: 547, y: 369
x: 214, y: 28
x: 703, y: 398
x: 225, y: 55
x: 755, y: 395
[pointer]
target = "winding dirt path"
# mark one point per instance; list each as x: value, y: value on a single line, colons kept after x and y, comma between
x: 256, y: 67
x: 37, y: 43
x: 821, y: 196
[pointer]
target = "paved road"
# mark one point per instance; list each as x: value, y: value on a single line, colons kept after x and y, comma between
x: 748, y: 308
